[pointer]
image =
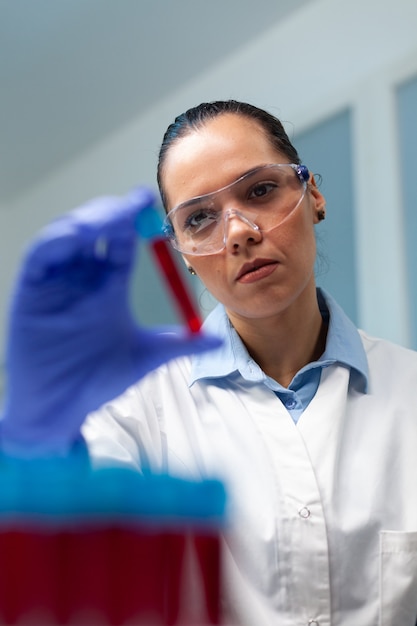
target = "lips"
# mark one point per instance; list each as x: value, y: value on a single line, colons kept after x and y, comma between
x: 256, y: 270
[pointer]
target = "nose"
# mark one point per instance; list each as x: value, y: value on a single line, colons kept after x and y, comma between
x: 240, y: 230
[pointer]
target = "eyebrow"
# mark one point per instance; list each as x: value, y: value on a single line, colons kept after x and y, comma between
x: 252, y: 170
x: 197, y: 199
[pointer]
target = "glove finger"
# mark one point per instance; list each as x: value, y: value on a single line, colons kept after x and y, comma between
x: 56, y: 244
x: 103, y: 228
x: 155, y: 347
x: 112, y: 227
x: 113, y: 215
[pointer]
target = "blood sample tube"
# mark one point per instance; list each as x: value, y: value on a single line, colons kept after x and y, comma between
x: 149, y: 227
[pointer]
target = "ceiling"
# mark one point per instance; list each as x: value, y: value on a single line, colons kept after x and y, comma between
x: 72, y: 71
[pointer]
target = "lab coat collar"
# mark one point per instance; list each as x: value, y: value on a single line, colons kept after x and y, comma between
x: 343, y: 346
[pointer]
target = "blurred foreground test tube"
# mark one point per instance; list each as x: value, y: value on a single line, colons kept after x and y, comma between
x: 107, y: 546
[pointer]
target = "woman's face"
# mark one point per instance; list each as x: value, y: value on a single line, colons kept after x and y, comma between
x: 212, y: 157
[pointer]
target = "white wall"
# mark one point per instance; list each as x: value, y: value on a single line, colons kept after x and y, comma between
x: 327, y: 56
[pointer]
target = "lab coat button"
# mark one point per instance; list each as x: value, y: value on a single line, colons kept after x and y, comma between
x: 290, y: 403
x: 305, y: 513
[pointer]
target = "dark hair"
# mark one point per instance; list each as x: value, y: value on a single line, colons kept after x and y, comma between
x: 196, y: 117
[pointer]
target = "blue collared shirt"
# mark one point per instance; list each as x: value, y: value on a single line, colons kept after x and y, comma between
x: 343, y: 346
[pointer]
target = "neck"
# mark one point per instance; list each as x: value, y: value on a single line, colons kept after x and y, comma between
x: 286, y: 342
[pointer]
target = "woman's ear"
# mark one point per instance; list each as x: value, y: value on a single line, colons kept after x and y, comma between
x: 318, y: 200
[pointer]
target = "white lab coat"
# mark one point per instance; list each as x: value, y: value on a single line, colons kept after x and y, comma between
x: 323, y: 514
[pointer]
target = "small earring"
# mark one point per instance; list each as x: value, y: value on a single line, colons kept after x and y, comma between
x: 192, y: 272
x: 321, y: 215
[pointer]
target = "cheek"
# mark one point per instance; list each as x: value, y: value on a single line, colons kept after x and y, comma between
x: 210, y: 270
x: 212, y: 273
x: 297, y: 237
x: 305, y: 252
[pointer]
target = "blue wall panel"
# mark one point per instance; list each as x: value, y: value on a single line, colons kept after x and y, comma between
x: 326, y: 150
x: 407, y: 126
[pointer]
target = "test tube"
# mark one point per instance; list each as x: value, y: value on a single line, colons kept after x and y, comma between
x: 149, y: 227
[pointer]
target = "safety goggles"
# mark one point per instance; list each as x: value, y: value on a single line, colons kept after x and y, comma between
x: 262, y: 198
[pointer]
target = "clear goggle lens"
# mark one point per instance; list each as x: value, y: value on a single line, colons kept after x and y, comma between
x: 263, y: 198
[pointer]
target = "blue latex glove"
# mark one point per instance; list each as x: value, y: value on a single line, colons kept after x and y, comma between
x: 73, y: 343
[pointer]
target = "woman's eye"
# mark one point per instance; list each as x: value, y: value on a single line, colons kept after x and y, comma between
x: 262, y: 189
x: 200, y: 219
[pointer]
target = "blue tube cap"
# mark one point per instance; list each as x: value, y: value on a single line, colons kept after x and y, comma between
x: 56, y: 491
x: 149, y: 223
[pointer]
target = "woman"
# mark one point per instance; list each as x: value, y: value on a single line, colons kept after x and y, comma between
x: 311, y: 424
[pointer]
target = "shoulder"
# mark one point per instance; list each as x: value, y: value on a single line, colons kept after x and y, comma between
x: 145, y: 397
x: 175, y: 373
x: 128, y: 429
x: 388, y: 360
x: 377, y: 347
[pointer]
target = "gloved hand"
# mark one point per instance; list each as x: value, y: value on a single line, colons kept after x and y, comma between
x: 72, y: 341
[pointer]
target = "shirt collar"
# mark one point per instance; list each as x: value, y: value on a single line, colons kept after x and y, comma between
x: 343, y: 345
